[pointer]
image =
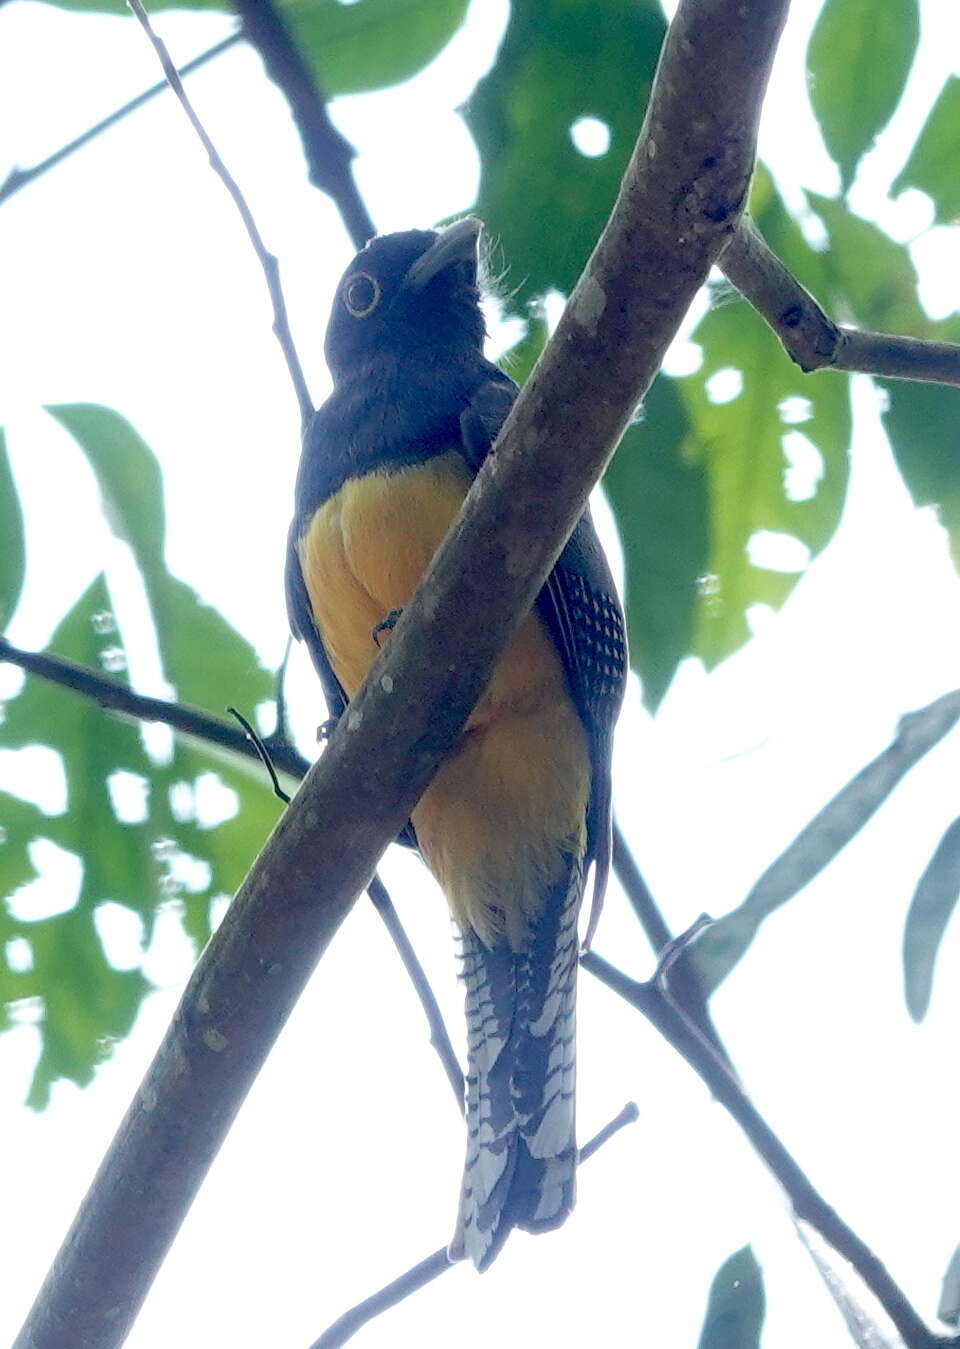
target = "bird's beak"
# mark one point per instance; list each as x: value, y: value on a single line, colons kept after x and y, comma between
x: 457, y: 243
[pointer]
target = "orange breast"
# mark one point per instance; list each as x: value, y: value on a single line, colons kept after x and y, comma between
x: 512, y: 797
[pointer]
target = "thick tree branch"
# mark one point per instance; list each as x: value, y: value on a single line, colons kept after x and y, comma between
x: 808, y: 1204
x: 328, y: 153
x: 812, y: 339
x: 20, y: 178
x: 681, y: 196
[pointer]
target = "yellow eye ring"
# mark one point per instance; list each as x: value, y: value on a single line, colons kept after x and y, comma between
x: 361, y: 294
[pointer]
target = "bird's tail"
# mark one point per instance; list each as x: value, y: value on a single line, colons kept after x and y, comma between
x: 521, y: 1142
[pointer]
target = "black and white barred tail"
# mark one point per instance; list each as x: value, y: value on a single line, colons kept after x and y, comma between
x: 521, y: 1160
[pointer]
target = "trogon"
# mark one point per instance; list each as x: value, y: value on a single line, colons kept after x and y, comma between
x: 520, y: 808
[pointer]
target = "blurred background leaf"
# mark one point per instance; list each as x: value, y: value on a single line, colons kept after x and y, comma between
x: 557, y: 66
x: 176, y: 830
x: 933, y: 903
x: 12, y: 555
x: 737, y: 1304
x: 858, y: 60
x: 932, y: 166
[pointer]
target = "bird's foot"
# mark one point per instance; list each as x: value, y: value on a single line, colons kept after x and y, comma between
x: 326, y: 729
x: 386, y: 624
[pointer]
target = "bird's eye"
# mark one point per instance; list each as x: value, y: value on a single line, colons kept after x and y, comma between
x: 361, y: 294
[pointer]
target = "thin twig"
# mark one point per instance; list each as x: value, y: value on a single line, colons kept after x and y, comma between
x: 263, y: 753
x: 675, y: 948
x: 628, y: 1115
x: 686, y: 985
x: 20, y: 178
x: 439, y: 1037
x: 117, y: 697
x: 810, y: 336
x: 808, y: 1204
x: 347, y: 1325
x: 268, y: 262
x: 328, y: 153
x: 638, y: 893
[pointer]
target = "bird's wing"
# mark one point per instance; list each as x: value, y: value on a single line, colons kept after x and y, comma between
x: 304, y: 628
x: 582, y: 613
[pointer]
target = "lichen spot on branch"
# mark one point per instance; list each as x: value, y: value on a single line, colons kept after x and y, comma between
x: 591, y: 302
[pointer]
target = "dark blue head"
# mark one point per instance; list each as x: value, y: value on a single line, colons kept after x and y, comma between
x: 413, y: 293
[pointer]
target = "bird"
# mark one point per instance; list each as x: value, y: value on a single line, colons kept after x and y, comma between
x: 520, y: 808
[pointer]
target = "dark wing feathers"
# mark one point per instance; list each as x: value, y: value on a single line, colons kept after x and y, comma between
x: 303, y: 627
x: 580, y: 608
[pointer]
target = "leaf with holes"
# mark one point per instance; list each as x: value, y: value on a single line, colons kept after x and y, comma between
x: 657, y: 489
x: 556, y: 67
x: 86, y: 1003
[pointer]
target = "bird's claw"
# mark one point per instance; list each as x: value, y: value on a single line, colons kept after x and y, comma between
x: 386, y: 624
x: 326, y: 729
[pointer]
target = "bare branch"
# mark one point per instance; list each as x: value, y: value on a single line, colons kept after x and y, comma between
x: 439, y: 1037
x: 328, y: 153
x: 347, y: 1325
x: 808, y: 1204
x: 681, y: 196
x: 686, y: 986
x: 812, y: 339
x: 20, y: 178
x: 268, y: 262
x: 117, y: 697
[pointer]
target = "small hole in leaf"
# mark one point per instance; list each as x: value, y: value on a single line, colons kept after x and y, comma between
x: 590, y: 136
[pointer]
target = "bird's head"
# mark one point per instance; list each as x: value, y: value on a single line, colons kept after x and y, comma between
x: 408, y: 293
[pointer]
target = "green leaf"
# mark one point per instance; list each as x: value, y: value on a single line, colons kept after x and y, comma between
x: 932, y: 166
x: 745, y: 445
x: 658, y: 492
x: 188, y: 631
x: 12, y: 554
x: 737, y: 1305
x: 371, y: 43
x: 128, y: 476
x: 867, y: 275
x: 745, y: 454
x: 540, y: 197
x: 723, y: 945
x: 858, y: 60
x: 949, y: 1309
x: 921, y: 421
x: 86, y: 1003
x: 934, y: 900
x: 20, y: 822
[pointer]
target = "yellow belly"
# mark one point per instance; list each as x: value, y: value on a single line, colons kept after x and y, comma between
x: 511, y: 798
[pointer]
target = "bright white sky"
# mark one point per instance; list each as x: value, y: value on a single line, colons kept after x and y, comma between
x: 128, y: 282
